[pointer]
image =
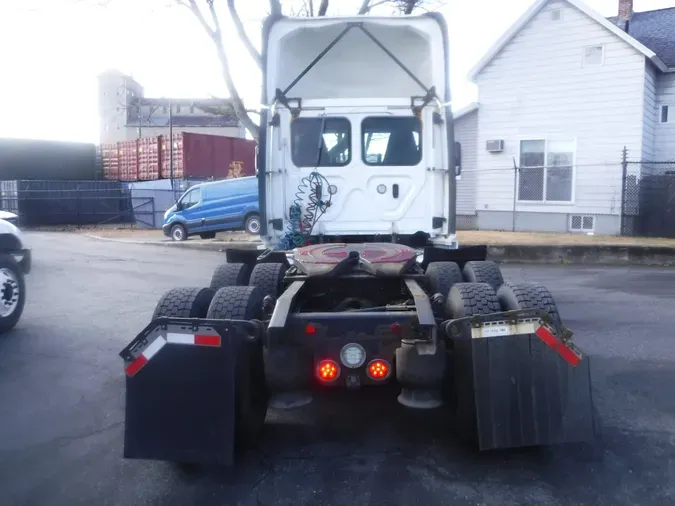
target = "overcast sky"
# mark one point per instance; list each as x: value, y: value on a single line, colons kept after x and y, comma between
x: 52, y: 51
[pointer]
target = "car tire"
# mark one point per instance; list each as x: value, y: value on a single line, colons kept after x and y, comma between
x: 178, y: 233
x: 251, y: 391
x: 252, y: 224
x: 207, y: 235
x: 12, y: 293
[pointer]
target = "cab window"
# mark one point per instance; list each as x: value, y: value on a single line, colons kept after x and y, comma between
x: 190, y: 198
x: 391, y: 141
x: 319, y: 142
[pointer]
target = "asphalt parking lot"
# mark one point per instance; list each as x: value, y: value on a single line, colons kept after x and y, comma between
x: 62, y: 397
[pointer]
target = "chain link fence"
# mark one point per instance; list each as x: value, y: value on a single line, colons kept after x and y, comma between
x: 625, y: 197
x: 649, y: 199
x: 37, y: 208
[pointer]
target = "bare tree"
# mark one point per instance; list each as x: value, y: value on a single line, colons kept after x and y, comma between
x: 207, y: 16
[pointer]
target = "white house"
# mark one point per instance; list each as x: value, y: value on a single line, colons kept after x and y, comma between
x: 560, y: 95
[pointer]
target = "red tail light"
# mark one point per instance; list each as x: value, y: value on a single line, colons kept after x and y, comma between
x: 379, y: 369
x: 327, y: 371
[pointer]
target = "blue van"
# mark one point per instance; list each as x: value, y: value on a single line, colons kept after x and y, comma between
x: 207, y: 208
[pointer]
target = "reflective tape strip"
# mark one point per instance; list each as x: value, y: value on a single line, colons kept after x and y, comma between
x: 149, y: 352
x: 173, y: 338
x: 568, y: 354
x: 199, y: 339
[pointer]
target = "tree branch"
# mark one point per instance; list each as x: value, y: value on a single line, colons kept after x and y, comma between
x: 194, y: 8
x: 237, y: 102
x: 323, y: 7
x: 242, y: 34
x: 311, y: 8
x: 365, y: 7
x: 275, y: 7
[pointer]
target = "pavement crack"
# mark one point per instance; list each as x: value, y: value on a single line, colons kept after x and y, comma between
x: 60, y: 440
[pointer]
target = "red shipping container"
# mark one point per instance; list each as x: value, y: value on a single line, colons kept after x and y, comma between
x: 148, y: 158
x: 110, y: 162
x: 128, y: 160
x: 207, y: 156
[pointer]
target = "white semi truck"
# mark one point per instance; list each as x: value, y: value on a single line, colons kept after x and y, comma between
x: 361, y: 282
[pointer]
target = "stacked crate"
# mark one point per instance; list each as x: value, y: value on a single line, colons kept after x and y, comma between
x: 110, y: 162
x: 148, y: 158
x: 128, y: 160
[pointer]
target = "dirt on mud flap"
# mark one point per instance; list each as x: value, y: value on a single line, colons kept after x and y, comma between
x: 180, y: 390
x: 519, y: 381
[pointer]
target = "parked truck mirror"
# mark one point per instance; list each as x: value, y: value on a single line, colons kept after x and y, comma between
x: 255, y: 163
x: 458, y: 159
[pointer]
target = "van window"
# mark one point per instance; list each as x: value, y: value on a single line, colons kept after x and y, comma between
x: 391, y: 141
x: 190, y: 198
x: 310, y: 147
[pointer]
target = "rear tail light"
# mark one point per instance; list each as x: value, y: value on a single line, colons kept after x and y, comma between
x: 327, y: 371
x: 379, y: 370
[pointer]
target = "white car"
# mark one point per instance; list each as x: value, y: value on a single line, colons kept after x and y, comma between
x: 15, y: 263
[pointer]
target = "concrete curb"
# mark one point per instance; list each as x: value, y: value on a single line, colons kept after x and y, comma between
x: 206, y: 246
x: 656, y: 256
x: 660, y: 256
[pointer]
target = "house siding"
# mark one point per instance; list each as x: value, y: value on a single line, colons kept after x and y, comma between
x: 649, y: 113
x: 466, y: 132
x: 664, y: 144
x: 537, y: 87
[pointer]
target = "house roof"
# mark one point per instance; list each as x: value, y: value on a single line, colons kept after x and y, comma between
x: 538, y: 6
x: 656, y: 30
x: 460, y: 113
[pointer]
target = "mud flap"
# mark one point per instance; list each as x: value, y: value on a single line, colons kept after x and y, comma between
x: 180, y: 391
x: 518, y: 384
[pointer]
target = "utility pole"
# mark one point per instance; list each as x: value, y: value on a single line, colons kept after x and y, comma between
x: 171, y: 141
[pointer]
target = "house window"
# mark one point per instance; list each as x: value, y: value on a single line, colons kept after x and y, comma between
x: 546, y: 171
x: 165, y: 109
x: 556, y: 14
x: 594, y: 55
x: 664, y: 114
x: 579, y: 223
x: 177, y: 109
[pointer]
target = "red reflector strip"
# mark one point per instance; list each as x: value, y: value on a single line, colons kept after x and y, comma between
x: 569, y: 355
x: 149, y: 352
x: 136, y: 365
x: 207, y: 340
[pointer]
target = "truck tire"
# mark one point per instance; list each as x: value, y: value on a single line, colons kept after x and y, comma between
x: 268, y: 278
x: 12, y: 293
x: 230, y: 275
x: 251, y: 393
x: 483, y: 272
x: 178, y: 232
x: 184, y: 303
x: 442, y: 276
x: 528, y: 296
x: 468, y: 299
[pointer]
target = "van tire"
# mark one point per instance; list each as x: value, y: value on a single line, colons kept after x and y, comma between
x: 178, y: 232
x: 252, y: 224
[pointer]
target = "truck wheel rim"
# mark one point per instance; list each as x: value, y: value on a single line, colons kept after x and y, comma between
x: 177, y: 233
x: 254, y: 226
x: 9, y: 293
